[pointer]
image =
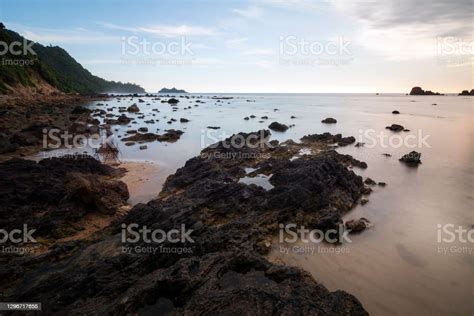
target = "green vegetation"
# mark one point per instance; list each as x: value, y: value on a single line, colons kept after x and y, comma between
x: 53, y: 65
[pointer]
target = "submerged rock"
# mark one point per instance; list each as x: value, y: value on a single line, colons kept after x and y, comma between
x: 133, y: 108
x: 170, y: 136
x: 357, y: 225
x: 275, y: 126
x: 329, y: 120
x: 395, y: 128
x: 173, y: 101
x: 413, y: 158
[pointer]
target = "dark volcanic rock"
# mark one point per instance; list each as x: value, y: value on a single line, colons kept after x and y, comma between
x: 466, y: 92
x: 224, y: 270
x: 328, y: 138
x: 395, y: 128
x: 420, y: 91
x: 183, y: 120
x: 395, y: 112
x: 357, y: 225
x: 170, y: 136
x: 50, y: 196
x: 123, y: 119
x: 133, y: 108
x: 141, y: 137
x: 329, y: 120
x: 173, y: 101
x: 413, y: 158
x: 275, y: 126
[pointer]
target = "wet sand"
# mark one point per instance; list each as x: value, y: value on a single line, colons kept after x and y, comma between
x: 144, y: 180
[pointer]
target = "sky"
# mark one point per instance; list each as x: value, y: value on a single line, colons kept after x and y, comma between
x: 293, y: 46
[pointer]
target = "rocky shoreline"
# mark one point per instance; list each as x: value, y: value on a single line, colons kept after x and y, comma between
x: 23, y: 119
x: 224, y: 269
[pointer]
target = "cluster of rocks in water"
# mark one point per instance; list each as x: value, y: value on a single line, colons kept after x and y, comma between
x: 225, y: 270
x: 23, y: 120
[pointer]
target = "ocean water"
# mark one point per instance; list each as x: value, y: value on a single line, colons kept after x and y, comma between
x: 398, y: 266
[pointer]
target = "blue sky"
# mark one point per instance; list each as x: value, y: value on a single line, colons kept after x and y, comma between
x: 260, y: 46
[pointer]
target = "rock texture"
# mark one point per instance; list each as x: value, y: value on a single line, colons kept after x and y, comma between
x: 225, y: 271
x: 55, y: 193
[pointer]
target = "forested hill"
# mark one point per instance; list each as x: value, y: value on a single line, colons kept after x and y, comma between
x: 52, y: 67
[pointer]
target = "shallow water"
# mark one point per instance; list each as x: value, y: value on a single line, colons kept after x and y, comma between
x: 395, y: 267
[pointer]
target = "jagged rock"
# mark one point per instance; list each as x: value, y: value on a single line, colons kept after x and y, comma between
x: 183, y: 120
x: 225, y: 270
x: 170, y: 136
x: 420, y: 91
x: 357, y: 226
x: 133, y: 108
x: 275, y: 126
x: 123, y: 119
x: 412, y: 158
x: 369, y: 181
x: 53, y: 194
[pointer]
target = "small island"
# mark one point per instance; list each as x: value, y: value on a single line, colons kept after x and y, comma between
x: 172, y: 90
x: 466, y: 92
x: 420, y: 91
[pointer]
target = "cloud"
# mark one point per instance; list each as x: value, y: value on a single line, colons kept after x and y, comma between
x: 251, y: 12
x: 264, y: 64
x: 236, y: 42
x: 50, y: 36
x: 404, y: 29
x: 165, y: 30
x: 260, y: 51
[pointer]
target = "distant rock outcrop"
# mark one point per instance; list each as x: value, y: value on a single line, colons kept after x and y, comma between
x: 420, y: 91
x: 466, y: 92
x: 172, y: 90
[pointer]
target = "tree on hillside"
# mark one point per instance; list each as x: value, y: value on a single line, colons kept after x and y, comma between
x: 2, y: 26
